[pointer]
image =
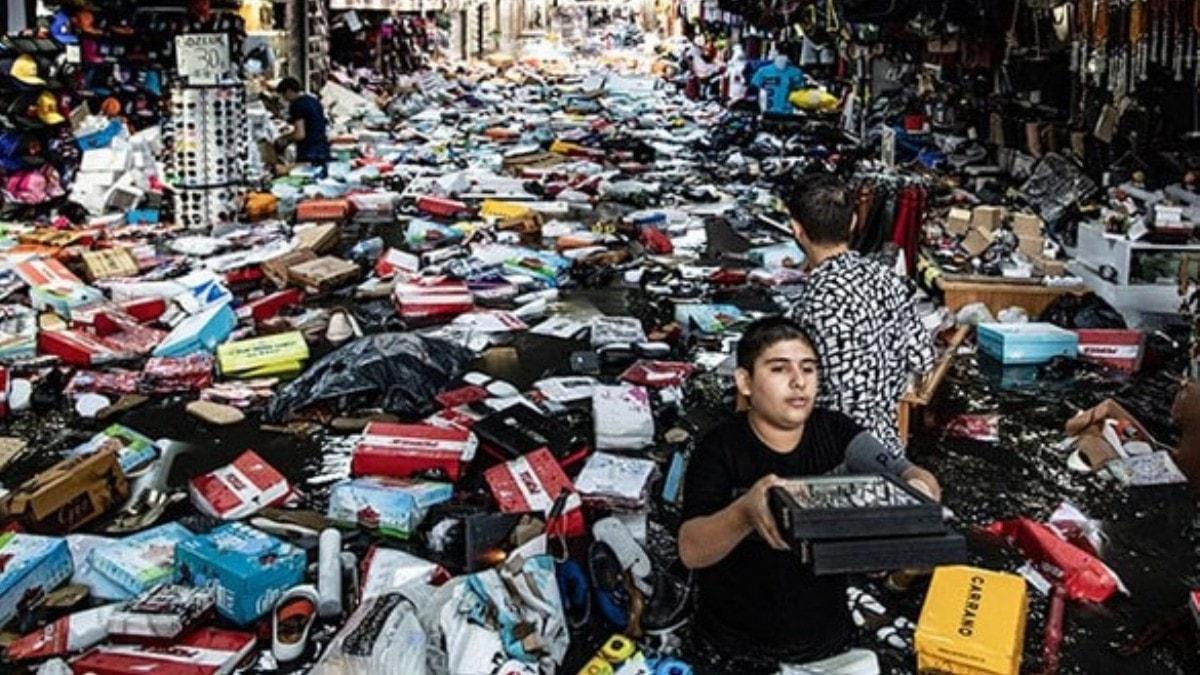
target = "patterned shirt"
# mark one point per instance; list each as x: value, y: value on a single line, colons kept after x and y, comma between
x: 862, y: 318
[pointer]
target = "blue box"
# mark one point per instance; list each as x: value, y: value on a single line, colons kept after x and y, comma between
x: 33, y: 566
x: 247, y: 568
x: 199, y: 333
x: 394, y: 506
x: 141, y: 561
x: 1026, y: 343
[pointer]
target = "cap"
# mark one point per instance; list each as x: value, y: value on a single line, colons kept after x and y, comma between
x: 85, y: 22
x: 47, y: 109
x: 111, y: 107
x: 60, y: 29
x: 25, y: 70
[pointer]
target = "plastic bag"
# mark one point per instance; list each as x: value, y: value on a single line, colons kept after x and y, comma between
x: 1082, y: 311
x: 383, y: 635
x: 400, y: 372
x: 1083, y: 576
x: 513, y: 611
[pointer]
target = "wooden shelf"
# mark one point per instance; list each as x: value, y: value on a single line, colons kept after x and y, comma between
x: 921, y: 395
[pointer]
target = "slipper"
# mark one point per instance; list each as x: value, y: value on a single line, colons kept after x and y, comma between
x: 608, y: 585
x: 633, y: 558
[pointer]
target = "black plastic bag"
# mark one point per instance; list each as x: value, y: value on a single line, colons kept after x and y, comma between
x: 399, y: 372
x: 1082, y: 311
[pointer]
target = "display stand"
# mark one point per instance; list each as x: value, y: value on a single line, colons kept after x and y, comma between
x: 208, y: 160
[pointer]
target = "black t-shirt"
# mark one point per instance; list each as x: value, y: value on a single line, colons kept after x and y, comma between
x: 315, y: 146
x: 758, y: 599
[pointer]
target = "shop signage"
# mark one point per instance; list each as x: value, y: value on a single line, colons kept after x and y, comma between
x: 203, y: 58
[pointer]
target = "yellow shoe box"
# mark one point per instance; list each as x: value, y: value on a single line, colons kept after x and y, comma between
x: 501, y: 210
x: 260, y: 357
x: 972, y: 623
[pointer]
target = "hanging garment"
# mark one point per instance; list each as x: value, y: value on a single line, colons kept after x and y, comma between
x: 906, y: 230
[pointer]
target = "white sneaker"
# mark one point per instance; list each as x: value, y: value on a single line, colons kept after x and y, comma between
x: 293, y: 616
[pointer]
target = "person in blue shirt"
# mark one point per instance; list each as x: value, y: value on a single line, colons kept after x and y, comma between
x: 775, y: 81
x: 307, y: 117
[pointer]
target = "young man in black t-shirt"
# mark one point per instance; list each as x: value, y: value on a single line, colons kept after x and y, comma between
x: 758, y: 604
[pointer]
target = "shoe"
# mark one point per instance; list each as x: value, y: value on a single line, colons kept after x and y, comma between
x: 294, y: 614
x: 340, y: 329
x: 607, y: 578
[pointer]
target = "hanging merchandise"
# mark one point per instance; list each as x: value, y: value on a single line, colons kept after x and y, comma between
x: 383, y: 45
x: 38, y: 154
x: 209, y: 161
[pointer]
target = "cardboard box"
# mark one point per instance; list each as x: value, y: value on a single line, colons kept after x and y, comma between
x: 164, y: 612
x: 46, y: 272
x: 1026, y: 343
x: 987, y: 218
x: 1027, y: 225
x: 442, y: 207
x: 322, y: 210
x: 249, y: 569
x: 502, y: 210
x: 139, y: 562
x: 533, y: 483
x: 958, y: 220
x: 205, y: 651
x: 973, y: 622
x: 374, y: 207
x: 69, y: 494
x: 404, y: 450
x: 33, y: 566
x: 134, y: 451
x: 283, y: 353
x: 394, y: 506
x: 77, y: 348
x: 976, y: 242
x: 18, y: 332
x: 318, y: 237
x: 1031, y: 246
x: 276, y: 269
x: 432, y: 298
x: 1121, y: 349
x: 109, y: 263
x: 323, y: 274
x: 1049, y: 268
x: 519, y: 430
x: 63, y: 299
x: 240, y: 489
x: 199, y: 333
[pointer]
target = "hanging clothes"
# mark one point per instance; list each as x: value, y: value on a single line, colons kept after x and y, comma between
x: 906, y: 229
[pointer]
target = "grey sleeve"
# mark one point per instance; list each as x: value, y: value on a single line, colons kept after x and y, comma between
x: 867, y: 455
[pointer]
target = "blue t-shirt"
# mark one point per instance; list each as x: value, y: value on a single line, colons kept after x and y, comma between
x: 778, y: 83
x: 315, y: 146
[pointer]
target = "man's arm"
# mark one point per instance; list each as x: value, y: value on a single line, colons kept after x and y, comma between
x: 706, y: 540
x: 298, y: 129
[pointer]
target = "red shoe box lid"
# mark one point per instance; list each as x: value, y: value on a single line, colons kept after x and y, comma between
x: 239, y: 489
x: 533, y: 482
x: 404, y: 450
x: 206, y: 651
x: 1121, y: 349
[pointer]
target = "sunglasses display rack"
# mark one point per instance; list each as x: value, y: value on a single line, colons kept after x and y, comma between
x: 208, y: 159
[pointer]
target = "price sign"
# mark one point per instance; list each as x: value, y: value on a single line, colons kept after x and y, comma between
x: 203, y: 58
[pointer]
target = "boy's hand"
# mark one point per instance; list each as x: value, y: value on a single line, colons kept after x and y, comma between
x: 757, y: 512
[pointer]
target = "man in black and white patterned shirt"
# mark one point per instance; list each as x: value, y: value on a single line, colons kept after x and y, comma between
x: 860, y: 314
